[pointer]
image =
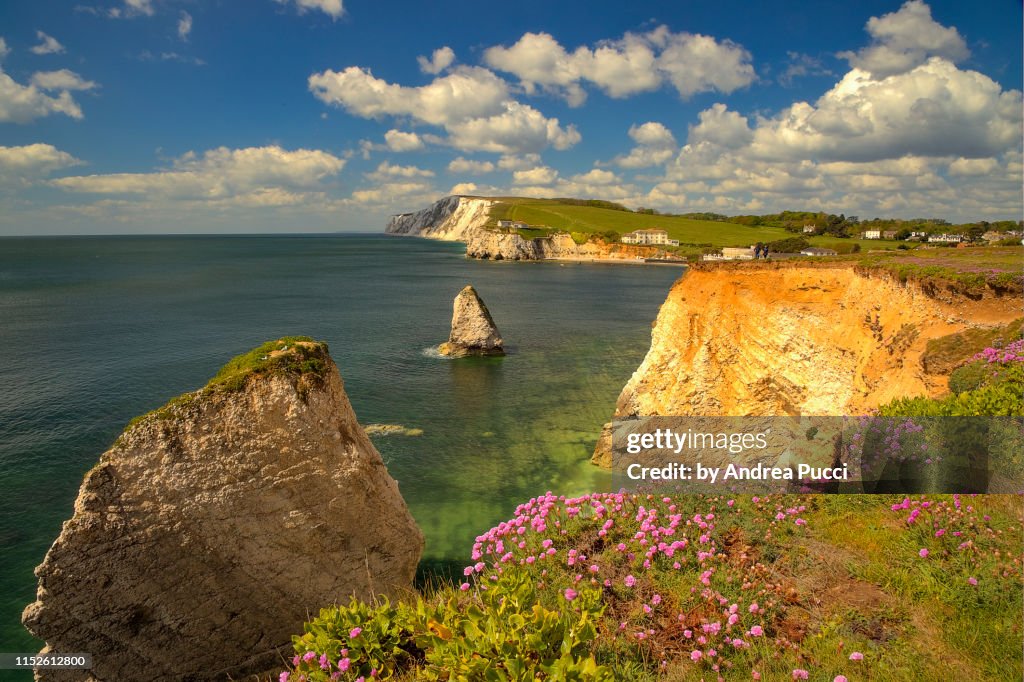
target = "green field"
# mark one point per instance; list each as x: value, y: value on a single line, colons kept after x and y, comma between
x: 550, y: 215
x: 570, y: 218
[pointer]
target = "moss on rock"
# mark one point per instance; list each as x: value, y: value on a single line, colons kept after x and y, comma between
x: 300, y: 357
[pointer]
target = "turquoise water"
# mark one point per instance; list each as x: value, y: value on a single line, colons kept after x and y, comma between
x: 97, y: 330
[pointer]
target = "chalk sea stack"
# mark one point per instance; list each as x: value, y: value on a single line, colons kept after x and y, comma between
x: 214, y: 526
x: 473, y: 329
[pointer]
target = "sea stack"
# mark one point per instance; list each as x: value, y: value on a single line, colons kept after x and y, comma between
x: 216, y: 525
x: 473, y: 329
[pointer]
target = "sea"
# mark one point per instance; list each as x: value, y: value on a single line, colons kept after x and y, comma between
x: 97, y: 330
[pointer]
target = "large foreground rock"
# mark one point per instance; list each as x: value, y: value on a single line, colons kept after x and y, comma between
x: 473, y: 330
x: 215, y: 526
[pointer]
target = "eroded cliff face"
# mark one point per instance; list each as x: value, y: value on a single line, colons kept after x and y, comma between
x: 493, y: 245
x: 785, y: 339
x: 453, y: 218
x: 211, y: 530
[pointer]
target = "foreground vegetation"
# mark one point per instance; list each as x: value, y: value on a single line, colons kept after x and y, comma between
x: 696, y: 587
x: 616, y: 586
x: 991, y: 384
x: 974, y: 269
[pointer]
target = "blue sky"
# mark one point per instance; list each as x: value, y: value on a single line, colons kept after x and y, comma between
x: 145, y: 116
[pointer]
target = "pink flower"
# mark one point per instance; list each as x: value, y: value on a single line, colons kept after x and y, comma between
x: 325, y: 662
x: 840, y: 678
x: 344, y: 664
x: 570, y: 594
x: 630, y: 581
x: 972, y: 580
x: 309, y: 656
x: 354, y: 632
x: 856, y: 656
x: 923, y: 553
x: 800, y: 674
x: 756, y: 675
x: 464, y: 587
x: 283, y: 677
x: 695, y: 656
x: 756, y: 631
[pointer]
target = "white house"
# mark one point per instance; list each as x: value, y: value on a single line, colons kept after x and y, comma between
x: 871, y: 234
x: 648, y: 236
x: 505, y: 223
x: 945, y: 239
x: 810, y: 229
x: 818, y: 251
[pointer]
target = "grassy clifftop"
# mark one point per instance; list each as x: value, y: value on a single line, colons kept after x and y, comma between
x: 592, y: 219
x: 586, y: 218
x: 968, y: 272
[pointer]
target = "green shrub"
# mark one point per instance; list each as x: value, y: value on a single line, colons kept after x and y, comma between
x: 969, y: 377
x: 357, y: 640
x: 500, y: 632
x: 510, y: 635
x: 1001, y: 395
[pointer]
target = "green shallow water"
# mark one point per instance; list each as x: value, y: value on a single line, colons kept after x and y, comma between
x: 97, y: 330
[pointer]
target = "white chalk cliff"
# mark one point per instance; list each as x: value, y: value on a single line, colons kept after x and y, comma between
x: 452, y: 219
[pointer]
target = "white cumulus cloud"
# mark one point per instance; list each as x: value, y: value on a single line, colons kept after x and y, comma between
x: 541, y: 175
x: 721, y: 126
x: 386, y: 171
x: 463, y: 188
x: 24, y: 103
x: 635, y: 63
x: 332, y: 8
x: 461, y: 165
x: 438, y: 62
x: 60, y: 80
x: 597, y: 176
x: 219, y: 174
x: 400, y: 141
x: 31, y: 161
x: 935, y: 109
x: 518, y: 128
x: 905, y: 39
x: 655, y: 144
x: 471, y: 103
x: 47, y: 45
x: 184, y: 25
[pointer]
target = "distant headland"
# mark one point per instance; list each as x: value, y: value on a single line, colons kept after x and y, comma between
x: 520, y: 228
